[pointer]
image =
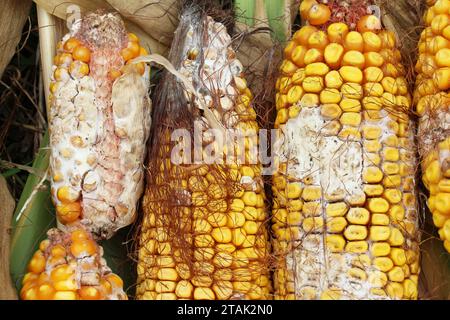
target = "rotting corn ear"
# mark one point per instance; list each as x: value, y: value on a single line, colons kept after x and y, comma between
x: 69, y: 266
x: 99, y: 122
x: 432, y: 98
x: 345, y: 219
x: 204, y: 230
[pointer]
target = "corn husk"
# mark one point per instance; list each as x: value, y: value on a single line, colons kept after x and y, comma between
x: 6, y: 211
x: 11, y: 29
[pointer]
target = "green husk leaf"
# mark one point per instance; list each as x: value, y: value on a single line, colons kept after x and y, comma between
x: 245, y: 10
x: 275, y: 10
x: 33, y: 216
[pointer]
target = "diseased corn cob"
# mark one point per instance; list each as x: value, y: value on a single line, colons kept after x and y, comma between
x: 345, y: 220
x: 203, y: 234
x: 99, y: 121
x: 69, y: 266
x: 433, y: 106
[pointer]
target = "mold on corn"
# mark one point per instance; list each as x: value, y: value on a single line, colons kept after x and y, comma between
x: 345, y: 219
x: 99, y: 122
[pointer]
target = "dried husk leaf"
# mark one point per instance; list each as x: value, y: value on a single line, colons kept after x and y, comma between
x: 157, y: 18
x: 11, y: 29
x: 6, y: 212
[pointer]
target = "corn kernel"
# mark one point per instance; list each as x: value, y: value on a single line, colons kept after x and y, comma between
x: 383, y: 264
x: 335, y: 243
x: 357, y: 246
x: 333, y: 54
x: 333, y: 80
x: 355, y: 232
x: 354, y: 41
x: 351, y: 74
x: 337, y: 209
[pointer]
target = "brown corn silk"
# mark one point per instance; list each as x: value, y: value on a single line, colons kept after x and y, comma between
x: 203, y: 233
x: 432, y: 100
x: 345, y: 219
x: 99, y: 122
x: 69, y: 266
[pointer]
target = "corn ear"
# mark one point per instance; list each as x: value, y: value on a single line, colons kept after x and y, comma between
x: 432, y: 98
x: 345, y: 216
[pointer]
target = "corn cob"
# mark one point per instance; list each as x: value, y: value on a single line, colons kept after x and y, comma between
x: 203, y: 234
x: 69, y: 266
x: 433, y: 102
x: 99, y: 121
x: 345, y: 220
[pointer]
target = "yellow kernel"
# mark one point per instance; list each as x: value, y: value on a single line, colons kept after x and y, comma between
x: 333, y: 80
x: 357, y: 246
x: 358, y: 216
x: 351, y: 74
x: 354, y: 41
x: 353, y: 58
x: 383, y: 264
x: 337, y: 32
x: 313, y: 84
x: 313, y: 55
x: 333, y: 54
x: 330, y: 96
x: 350, y: 119
x: 335, y: 243
x: 337, y: 209
x: 380, y: 249
x: 355, y: 232
x: 372, y: 175
x: 378, y: 205
x: 380, y: 219
x: 352, y: 90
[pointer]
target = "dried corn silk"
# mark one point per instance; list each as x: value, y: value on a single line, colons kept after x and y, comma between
x: 432, y: 99
x: 69, y: 266
x: 345, y: 217
x: 99, y: 122
x: 204, y: 234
